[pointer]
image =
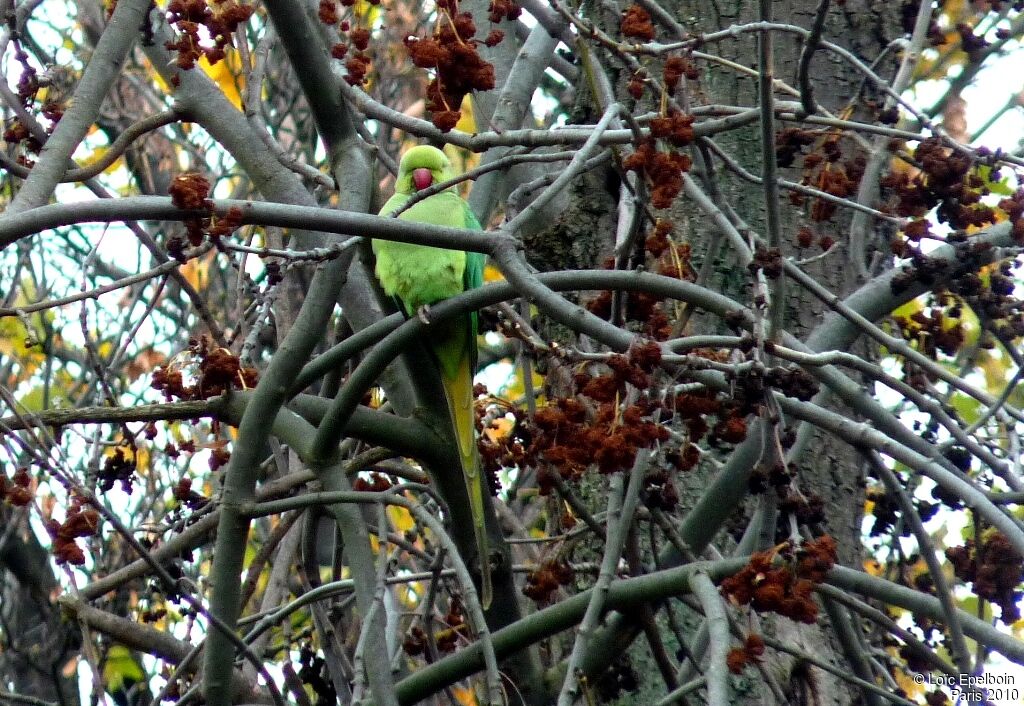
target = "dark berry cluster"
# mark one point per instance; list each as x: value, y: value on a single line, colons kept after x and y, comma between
x: 220, y: 20
x: 995, y: 568
x: 618, y: 678
x: 451, y: 52
x: 184, y: 494
x: 314, y: 674
x: 506, y: 450
x: 79, y: 523
x: 932, y: 331
x: 973, y: 45
x: 217, y: 371
x: 784, y: 587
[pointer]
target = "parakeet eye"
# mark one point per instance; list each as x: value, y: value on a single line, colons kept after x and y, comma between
x: 422, y: 178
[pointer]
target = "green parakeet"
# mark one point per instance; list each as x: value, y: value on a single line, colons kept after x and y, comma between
x: 419, y: 276
x: 123, y: 676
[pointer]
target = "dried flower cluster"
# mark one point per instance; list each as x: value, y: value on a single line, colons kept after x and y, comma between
x: 445, y: 639
x: 995, y: 568
x: 189, y: 191
x: 79, y: 523
x: 18, y: 490
x: 220, y: 20
x: 358, y: 64
x: 823, y: 169
x: 119, y: 466
x: 542, y: 582
x: 784, y: 587
x: 15, y: 131
x: 218, y: 370
x: 451, y: 53
x: 663, y: 170
x: 749, y: 653
x: 948, y: 181
x: 636, y: 23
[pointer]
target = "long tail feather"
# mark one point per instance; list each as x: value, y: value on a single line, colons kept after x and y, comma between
x: 459, y: 389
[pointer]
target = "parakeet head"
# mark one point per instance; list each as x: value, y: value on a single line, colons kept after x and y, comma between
x: 422, y: 167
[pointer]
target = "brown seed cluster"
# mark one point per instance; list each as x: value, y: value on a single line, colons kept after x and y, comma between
x: 947, y: 180
x: 220, y: 19
x: 359, y: 63
x: 451, y: 53
x: 189, y: 191
x: 749, y: 653
x: 18, y: 490
x: 675, y: 127
x: 184, y: 494
x: 675, y: 68
x: 118, y: 467
x: 823, y: 168
x: 376, y: 483
x: 446, y: 639
x: 933, y: 330
x: 79, y: 523
x: 785, y: 588
x: 636, y: 23
x: 15, y: 131
x: 542, y: 582
x: 995, y: 568
x: 575, y: 432
x: 217, y: 371
x: 662, y: 170
x: 665, y: 257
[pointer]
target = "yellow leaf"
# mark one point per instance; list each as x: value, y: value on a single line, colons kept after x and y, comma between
x: 467, y: 123
x: 464, y: 696
x: 227, y: 74
x: 400, y: 518
x: 873, y: 567
x: 197, y: 273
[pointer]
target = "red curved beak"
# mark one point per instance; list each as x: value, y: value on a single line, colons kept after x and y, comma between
x: 422, y: 178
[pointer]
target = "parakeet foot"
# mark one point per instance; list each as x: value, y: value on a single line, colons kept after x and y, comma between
x: 423, y: 313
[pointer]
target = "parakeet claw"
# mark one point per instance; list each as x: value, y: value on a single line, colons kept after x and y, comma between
x: 423, y: 313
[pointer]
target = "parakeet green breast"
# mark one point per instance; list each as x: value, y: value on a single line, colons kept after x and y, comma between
x: 419, y: 274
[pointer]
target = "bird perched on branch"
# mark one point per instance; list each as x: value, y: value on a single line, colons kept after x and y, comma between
x: 419, y: 275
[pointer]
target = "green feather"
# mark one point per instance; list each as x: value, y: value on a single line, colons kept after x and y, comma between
x: 419, y: 275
